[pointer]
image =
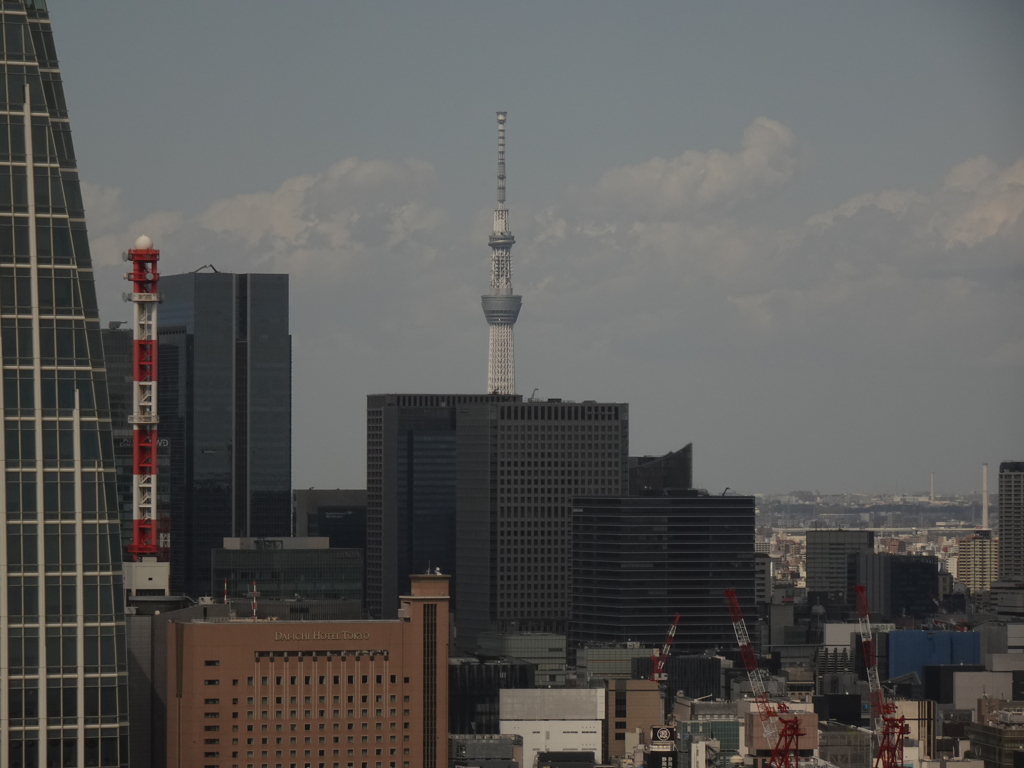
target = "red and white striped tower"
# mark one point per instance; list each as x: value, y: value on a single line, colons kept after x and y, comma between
x: 144, y: 278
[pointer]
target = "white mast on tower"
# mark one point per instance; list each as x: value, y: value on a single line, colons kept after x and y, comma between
x: 501, y: 306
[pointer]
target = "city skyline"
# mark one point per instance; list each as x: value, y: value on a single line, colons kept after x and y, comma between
x: 831, y: 280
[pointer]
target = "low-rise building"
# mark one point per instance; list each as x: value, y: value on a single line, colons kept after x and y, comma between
x: 491, y: 750
x: 630, y: 704
x: 545, y: 650
x: 250, y: 692
x: 555, y: 720
x: 997, y: 741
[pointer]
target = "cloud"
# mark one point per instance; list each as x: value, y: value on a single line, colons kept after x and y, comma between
x: 900, y: 275
x: 694, y: 180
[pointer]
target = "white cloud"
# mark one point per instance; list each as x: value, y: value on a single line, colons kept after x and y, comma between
x: 695, y: 180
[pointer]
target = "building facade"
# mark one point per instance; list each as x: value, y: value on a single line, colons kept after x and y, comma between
x: 411, y: 450
x: 660, y: 473
x: 287, y: 569
x: 117, y: 352
x: 337, y: 694
x: 639, y: 561
x: 831, y: 563
x: 550, y: 720
x: 1011, y: 522
x: 225, y: 412
x: 630, y: 705
x: 899, y: 585
x: 977, y: 561
x: 63, y: 671
x: 487, y: 480
x: 336, y: 513
x: 1000, y: 740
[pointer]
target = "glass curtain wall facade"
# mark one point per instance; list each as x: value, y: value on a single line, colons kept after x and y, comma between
x: 411, y: 463
x: 225, y: 412
x: 638, y: 561
x: 118, y: 345
x: 63, y: 675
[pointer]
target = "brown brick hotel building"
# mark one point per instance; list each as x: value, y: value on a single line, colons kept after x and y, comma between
x: 285, y: 694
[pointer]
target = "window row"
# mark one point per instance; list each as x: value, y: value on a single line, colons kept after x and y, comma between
x: 104, y: 697
x: 99, y: 496
x: 104, y: 752
x: 58, y: 443
x: 59, y: 292
x: 102, y: 600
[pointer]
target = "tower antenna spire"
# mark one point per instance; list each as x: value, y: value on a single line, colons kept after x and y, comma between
x: 501, y: 307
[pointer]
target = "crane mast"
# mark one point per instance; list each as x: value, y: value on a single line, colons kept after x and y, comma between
x: 658, y: 659
x: 889, y: 729
x: 784, y: 742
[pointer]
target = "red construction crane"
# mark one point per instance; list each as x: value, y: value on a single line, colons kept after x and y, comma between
x: 659, y: 657
x: 784, y: 742
x: 889, y: 729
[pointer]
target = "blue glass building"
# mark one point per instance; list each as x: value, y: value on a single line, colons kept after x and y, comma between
x: 63, y: 671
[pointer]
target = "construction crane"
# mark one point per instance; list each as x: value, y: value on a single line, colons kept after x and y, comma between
x: 784, y: 741
x: 660, y: 656
x: 889, y: 729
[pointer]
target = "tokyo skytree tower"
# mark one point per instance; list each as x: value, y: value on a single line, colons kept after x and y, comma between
x: 501, y: 306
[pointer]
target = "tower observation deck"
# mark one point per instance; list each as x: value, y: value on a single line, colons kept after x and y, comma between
x: 501, y: 306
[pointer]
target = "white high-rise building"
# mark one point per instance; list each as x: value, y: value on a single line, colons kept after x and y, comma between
x: 63, y: 666
x: 501, y: 306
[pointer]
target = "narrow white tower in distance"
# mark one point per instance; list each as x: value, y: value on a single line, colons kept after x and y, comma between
x: 501, y: 306
x: 984, y: 496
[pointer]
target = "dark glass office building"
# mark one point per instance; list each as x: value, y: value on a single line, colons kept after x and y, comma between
x: 639, y: 561
x: 63, y: 669
x: 336, y: 513
x: 832, y: 563
x: 225, y: 414
x: 288, y: 569
x: 488, y: 479
x: 655, y: 474
x: 899, y: 585
x: 411, y: 463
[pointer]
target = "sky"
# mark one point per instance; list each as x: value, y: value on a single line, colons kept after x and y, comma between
x: 791, y: 233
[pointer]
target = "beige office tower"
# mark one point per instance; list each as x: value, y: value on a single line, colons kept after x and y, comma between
x: 977, y: 562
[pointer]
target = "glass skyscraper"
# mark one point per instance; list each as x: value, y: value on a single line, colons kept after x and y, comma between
x: 63, y: 677
x: 225, y: 414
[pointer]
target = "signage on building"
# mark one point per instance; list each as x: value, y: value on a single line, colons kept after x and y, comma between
x: 663, y: 738
x: 294, y: 636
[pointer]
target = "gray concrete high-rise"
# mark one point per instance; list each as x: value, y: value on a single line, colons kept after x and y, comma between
x: 225, y: 413
x: 63, y: 670
x: 487, y: 481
